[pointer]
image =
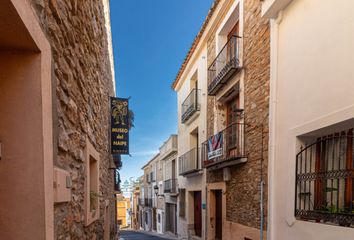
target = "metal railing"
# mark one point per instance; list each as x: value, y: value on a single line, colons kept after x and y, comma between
x: 190, y: 105
x: 325, y: 180
x: 231, y: 145
x: 189, y: 162
x: 225, y: 64
x: 170, y: 186
x: 152, y: 177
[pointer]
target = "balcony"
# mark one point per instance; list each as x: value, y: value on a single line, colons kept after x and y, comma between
x: 189, y: 162
x: 170, y: 186
x: 169, y: 147
x: 225, y: 65
x: 190, y: 105
x: 226, y: 148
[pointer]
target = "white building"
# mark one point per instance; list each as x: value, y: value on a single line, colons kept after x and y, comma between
x: 192, y: 106
x: 311, y: 120
x: 168, y: 186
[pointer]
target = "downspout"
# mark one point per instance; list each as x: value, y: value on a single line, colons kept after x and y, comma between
x: 274, y: 35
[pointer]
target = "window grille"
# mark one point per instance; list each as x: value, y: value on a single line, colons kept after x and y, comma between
x: 324, y: 180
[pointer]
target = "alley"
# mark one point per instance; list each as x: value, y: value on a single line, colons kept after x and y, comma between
x: 133, y: 235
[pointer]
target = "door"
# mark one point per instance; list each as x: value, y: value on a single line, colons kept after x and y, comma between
x: 218, y: 214
x: 232, y: 129
x: 198, y: 213
x: 173, y: 169
x: 154, y: 219
x: 232, y: 50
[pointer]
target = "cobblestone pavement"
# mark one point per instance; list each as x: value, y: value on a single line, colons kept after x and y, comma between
x: 134, y: 235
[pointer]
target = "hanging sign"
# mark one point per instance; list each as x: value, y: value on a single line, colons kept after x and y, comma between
x: 215, y: 146
x: 119, y: 126
x: 116, y: 181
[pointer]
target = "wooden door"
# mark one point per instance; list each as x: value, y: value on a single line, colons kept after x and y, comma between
x: 198, y: 213
x: 234, y: 31
x: 232, y: 42
x: 232, y: 128
x: 218, y: 214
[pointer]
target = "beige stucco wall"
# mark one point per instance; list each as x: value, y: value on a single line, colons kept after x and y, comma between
x: 26, y: 165
x: 311, y: 88
x: 198, y: 182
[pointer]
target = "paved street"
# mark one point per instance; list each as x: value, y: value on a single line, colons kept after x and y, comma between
x: 133, y: 235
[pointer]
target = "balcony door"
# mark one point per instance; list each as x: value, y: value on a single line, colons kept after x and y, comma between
x: 218, y: 214
x: 232, y: 128
x: 232, y: 42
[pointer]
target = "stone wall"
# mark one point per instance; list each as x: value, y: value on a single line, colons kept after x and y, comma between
x: 211, y: 54
x: 243, y: 190
x: 82, y: 84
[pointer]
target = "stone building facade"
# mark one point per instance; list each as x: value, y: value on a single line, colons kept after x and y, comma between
x: 73, y: 38
x: 242, y: 181
x: 235, y: 43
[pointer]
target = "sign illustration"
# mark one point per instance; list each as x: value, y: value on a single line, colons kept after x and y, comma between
x: 119, y: 126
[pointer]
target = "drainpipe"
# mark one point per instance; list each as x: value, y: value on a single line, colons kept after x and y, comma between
x: 273, y: 99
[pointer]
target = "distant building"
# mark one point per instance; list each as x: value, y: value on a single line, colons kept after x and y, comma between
x: 135, y: 204
x: 127, y: 188
x: 168, y: 187
x: 123, y: 211
x: 157, y: 191
x: 148, y: 192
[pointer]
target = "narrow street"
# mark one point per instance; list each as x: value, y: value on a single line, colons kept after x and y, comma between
x: 133, y: 235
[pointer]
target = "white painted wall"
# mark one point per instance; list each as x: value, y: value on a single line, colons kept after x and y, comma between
x: 195, y: 183
x: 312, y: 83
x: 160, y: 225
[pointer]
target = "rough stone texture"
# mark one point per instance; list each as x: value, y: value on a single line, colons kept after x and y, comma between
x: 243, y: 191
x: 82, y: 84
x: 211, y: 54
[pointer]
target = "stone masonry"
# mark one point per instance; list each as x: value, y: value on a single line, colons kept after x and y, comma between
x: 243, y: 190
x: 82, y: 82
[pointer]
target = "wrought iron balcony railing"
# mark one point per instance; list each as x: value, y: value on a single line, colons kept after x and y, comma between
x: 224, y: 147
x: 152, y: 177
x: 224, y: 66
x: 325, y: 180
x: 189, y: 162
x: 170, y: 186
x: 191, y: 105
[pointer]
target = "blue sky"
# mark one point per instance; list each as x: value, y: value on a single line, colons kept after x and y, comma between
x: 150, y: 40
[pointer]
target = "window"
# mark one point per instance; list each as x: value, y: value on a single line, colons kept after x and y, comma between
x: 324, y: 180
x: 92, y: 195
x: 182, y: 202
x: 160, y: 188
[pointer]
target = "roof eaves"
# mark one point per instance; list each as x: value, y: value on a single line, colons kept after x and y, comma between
x: 195, y: 43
